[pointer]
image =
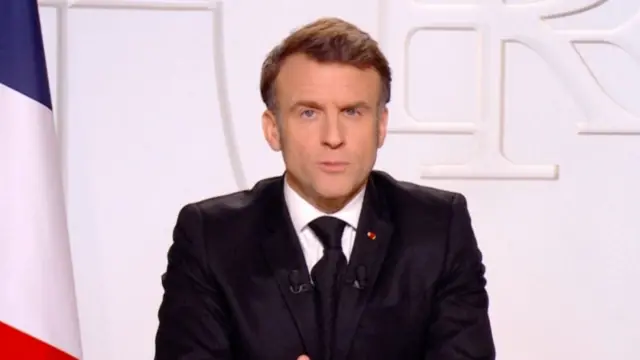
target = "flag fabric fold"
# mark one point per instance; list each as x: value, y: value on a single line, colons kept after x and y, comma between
x: 38, y: 313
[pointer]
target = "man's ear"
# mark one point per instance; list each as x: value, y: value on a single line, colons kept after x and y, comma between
x: 271, y: 130
x: 383, y: 121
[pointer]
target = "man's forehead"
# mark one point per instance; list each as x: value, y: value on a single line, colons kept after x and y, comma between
x: 300, y: 63
x: 329, y: 86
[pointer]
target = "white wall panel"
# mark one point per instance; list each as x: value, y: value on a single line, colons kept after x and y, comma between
x: 160, y: 107
x: 145, y: 135
x: 443, y: 82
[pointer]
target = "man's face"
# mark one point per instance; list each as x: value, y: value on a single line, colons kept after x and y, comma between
x: 331, y: 126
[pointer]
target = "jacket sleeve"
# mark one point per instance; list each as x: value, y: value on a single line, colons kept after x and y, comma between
x: 461, y: 327
x: 192, y: 317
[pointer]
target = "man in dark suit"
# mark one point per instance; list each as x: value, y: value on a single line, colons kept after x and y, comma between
x: 331, y: 260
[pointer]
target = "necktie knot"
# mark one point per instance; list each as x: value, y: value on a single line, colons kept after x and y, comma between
x: 329, y: 231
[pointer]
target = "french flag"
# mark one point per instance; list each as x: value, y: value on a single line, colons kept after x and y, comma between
x: 38, y: 316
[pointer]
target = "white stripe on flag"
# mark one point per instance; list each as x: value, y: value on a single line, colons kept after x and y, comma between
x: 36, y: 279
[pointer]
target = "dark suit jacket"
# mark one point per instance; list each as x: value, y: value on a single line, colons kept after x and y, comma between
x: 228, y: 291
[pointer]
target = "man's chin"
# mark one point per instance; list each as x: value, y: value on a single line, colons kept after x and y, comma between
x: 335, y: 193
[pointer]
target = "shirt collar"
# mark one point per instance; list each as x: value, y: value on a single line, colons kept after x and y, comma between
x: 302, y: 213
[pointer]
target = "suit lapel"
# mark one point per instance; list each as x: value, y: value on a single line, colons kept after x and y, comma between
x: 371, y: 242
x: 283, y: 252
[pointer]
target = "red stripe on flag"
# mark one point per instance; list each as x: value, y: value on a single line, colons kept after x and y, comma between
x: 16, y: 345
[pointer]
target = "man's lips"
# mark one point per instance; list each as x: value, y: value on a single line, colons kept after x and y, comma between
x: 333, y: 166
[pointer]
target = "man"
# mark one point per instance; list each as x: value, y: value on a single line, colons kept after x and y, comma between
x: 331, y: 260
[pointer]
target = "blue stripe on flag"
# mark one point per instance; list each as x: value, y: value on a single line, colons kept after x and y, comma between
x: 22, y: 61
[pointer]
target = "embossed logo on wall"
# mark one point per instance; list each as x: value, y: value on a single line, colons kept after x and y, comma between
x: 497, y: 24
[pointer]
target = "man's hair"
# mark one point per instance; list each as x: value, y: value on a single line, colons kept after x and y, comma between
x: 326, y: 40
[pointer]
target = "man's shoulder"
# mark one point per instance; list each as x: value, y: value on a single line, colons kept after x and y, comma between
x: 420, y: 209
x: 238, y: 204
x: 411, y: 194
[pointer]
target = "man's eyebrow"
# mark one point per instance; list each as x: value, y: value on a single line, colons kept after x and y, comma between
x: 305, y: 103
x: 315, y: 105
x: 358, y: 104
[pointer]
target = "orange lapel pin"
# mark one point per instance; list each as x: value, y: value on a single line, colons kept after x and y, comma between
x: 371, y: 235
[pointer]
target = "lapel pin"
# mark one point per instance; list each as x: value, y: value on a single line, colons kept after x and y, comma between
x: 371, y: 235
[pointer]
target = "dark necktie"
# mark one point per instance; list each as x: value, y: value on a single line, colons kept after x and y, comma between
x: 325, y: 276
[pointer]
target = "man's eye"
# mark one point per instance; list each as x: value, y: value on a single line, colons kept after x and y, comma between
x: 307, y: 113
x: 352, y: 112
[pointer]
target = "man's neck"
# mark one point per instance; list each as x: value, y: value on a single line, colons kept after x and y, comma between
x: 328, y: 206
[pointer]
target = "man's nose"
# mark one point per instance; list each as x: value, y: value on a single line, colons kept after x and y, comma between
x: 333, y: 132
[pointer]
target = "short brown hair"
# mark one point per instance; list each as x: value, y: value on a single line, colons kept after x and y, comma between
x: 326, y: 40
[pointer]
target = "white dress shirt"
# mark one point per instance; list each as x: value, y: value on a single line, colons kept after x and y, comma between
x: 302, y: 213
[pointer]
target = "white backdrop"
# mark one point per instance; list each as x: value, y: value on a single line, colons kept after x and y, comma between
x: 528, y: 108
